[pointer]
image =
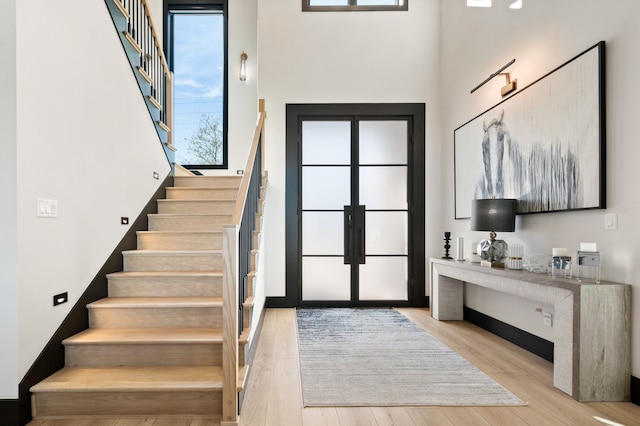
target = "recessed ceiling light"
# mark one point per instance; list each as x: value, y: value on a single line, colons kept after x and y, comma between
x: 478, y: 3
x: 516, y: 5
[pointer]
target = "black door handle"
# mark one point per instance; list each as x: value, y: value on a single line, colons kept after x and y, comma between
x: 360, y: 224
x: 348, y: 235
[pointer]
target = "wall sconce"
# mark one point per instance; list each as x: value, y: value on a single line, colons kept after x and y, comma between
x: 243, y: 66
x: 510, y: 87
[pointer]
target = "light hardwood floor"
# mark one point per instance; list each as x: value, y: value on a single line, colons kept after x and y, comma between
x: 273, y: 395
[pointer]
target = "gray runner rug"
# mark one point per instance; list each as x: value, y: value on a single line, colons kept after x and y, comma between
x: 378, y: 357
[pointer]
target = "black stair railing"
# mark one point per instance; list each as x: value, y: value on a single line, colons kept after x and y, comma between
x: 135, y: 25
x: 237, y: 253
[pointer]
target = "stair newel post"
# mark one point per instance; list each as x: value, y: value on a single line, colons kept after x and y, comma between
x: 230, y: 325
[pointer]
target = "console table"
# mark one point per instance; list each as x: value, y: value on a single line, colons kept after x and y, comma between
x: 591, y: 328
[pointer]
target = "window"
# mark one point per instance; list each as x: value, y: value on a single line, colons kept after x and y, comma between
x: 196, y: 53
x: 353, y: 5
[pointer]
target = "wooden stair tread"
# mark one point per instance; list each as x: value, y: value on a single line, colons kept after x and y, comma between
x: 188, y: 215
x: 248, y: 302
x: 195, y: 252
x: 156, y: 302
x: 180, y: 188
x: 166, y: 274
x: 124, y: 379
x: 117, y: 336
x: 180, y: 232
x: 242, y: 377
x: 197, y: 200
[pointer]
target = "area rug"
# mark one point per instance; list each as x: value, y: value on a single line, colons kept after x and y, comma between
x: 378, y: 357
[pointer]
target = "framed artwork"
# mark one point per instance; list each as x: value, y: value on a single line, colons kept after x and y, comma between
x: 544, y: 146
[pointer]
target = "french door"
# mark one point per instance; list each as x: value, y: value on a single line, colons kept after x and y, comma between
x: 356, y: 210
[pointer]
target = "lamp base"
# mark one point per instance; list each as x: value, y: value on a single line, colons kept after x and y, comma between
x: 493, y: 252
x: 490, y: 264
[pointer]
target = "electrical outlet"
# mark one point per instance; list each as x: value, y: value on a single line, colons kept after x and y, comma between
x: 61, y: 298
x: 547, y: 318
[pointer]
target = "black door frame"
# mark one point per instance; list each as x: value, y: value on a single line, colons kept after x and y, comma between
x: 415, y: 114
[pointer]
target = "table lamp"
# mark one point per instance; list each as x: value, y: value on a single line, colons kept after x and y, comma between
x: 497, y: 214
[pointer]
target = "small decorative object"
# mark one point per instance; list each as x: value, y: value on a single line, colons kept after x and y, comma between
x: 560, y: 263
x: 460, y: 250
x: 475, y: 258
x: 588, y: 263
x: 535, y: 262
x: 447, y: 246
x: 514, y: 261
x: 493, y: 215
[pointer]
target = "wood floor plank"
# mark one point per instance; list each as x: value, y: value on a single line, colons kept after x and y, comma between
x: 172, y: 422
x: 625, y: 413
x: 286, y: 335
x: 320, y: 416
x: 428, y: 416
x: 389, y: 416
x: 464, y: 416
x: 285, y: 399
x: 135, y: 422
x: 356, y: 416
x: 501, y: 416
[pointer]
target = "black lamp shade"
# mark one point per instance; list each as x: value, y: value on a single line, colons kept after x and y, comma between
x: 498, y: 215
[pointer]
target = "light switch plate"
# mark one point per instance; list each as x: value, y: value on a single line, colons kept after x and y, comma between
x: 610, y: 221
x: 47, y: 208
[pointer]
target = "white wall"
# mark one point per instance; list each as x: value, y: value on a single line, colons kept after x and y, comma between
x: 355, y: 57
x: 542, y: 36
x: 84, y: 138
x: 8, y: 188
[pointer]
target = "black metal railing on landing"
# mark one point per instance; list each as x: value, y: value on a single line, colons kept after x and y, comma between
x: 134, y: 23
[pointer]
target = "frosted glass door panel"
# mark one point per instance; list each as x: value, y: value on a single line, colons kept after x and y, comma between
x: 384, y: 278
x: 325, y: 188
x: 326, y: 142
x: 383, y: 187
x: 386, y: 233
x: 323, y: 233
x: 383, y: 142
x: 325, y: 278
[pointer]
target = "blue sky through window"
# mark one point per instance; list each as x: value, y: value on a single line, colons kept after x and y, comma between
x: 198, y: 66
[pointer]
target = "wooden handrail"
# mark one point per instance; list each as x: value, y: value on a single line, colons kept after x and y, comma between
x: 246, y: 177
x: 231, y: 279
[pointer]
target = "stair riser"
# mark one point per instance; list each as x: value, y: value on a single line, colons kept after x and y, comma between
x: 139, y: 262
x: 195, y: 207
x: 192, y: 223
x: 174, y: 317
x: 122, y: 403
x: 185, y: 241
x: 207, y: 181
x: 143, y: 355
x: 165, y: 287
x: 201, y: 193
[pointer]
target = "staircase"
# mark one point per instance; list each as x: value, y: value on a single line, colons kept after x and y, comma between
x: 154, y: 345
